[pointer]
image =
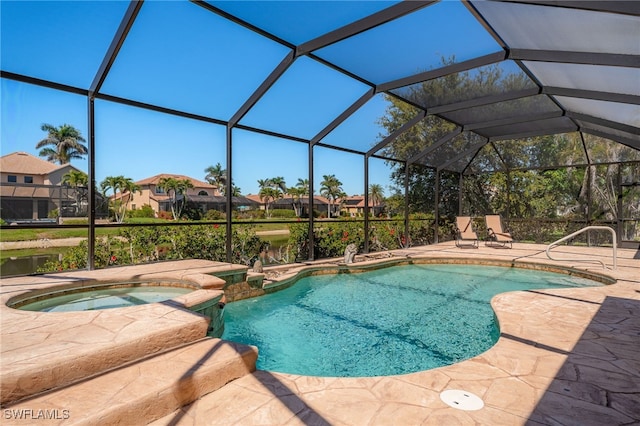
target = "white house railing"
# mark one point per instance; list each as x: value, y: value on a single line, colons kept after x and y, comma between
x: 585, y: 229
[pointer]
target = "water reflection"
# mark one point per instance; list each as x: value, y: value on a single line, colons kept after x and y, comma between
x: 24, y: 265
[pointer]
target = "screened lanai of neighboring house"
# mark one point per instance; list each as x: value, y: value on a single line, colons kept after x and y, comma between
x: 528, y: 109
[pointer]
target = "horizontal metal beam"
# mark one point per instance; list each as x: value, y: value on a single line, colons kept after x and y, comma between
x: 446, y: 138
x: 440, y: 72
x: 604, y: 122
x: 43, y: 83
x: 571, y: 57
x: 242, y: 23
x: 151, y: 107
x: 627, y: 7
x: 345, y: 114
x: 513, y: 120
x: 592, y: 94
x: 400, y: 130
x: 485, y: 100
x: 533, y: 133
x: 270, y: 133
x: 389, y: 14
x: 616, y: 138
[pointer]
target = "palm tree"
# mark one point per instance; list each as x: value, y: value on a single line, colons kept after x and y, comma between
x: 66, y: 141
x: 331, y: 188
x: 216, y: 175
x: 79, y: 181
x: 176, y: 189
x: 297, y: 192
x: 376, y: 194
x: 279, y: 184
x: 270, y: 190
x: 122, y: 185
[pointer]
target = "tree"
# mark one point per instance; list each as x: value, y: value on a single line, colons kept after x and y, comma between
x: 331, y: 188
x: 119, y: 185
x: 79, y: 181
x: 297, y: 192
x: 216, y: 175
x: 376, y: 195
x: 270, y: 190
x: 62, y: 144
x: 439, y: 91
x: 176, y: 189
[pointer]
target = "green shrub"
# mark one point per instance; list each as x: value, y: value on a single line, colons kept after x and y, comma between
x: 77, y: 221
x: 144, y: 244
x: 53, y: 214
x: 214, y: 215
x: 145, y: 211
x: 283, y: 213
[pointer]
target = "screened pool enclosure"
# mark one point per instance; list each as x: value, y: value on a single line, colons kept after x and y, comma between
x: 395, y: 116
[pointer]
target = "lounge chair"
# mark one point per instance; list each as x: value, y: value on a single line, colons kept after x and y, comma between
x: 497, y: 234
x: 465, y: 232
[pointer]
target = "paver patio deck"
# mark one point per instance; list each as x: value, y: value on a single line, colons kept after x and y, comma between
x: 565, y: 356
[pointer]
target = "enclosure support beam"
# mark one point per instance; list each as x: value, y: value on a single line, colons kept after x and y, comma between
x: 395, y: 134
x: 117, y: 42
x: 592, y: 94
x: 345, y: 114
x: 229, y: 195
x: 437, y: 208
x: 446, y: 138
x: 441, y: 72
x: 587, y: 58
x: 460, y: 183
x: 91, y: 237
x: 620, y: 215
x: 311, y: 245
x: 366, y: 204
x: 390, y: 13
x: 262, y: 89
x: 406, y: 204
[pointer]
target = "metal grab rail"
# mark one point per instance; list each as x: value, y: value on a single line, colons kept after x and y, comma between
x: 587, y: 228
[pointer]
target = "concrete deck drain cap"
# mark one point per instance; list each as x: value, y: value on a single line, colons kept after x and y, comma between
x: 462, y: 400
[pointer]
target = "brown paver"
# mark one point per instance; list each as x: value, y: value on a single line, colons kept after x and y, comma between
x: 565, y: 356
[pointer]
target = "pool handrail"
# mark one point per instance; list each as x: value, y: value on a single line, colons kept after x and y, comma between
x: 580, y: 231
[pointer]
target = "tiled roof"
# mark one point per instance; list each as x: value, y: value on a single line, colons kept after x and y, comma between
x: 154, y: 180
x: 21, y: 162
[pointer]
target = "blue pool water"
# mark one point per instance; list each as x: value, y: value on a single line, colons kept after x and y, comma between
x: 108, y: 298
x: 389, y: 321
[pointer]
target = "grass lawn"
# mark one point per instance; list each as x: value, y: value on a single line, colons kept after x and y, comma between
x: 6, y: 254
x: 52, y: 233
x: 55, y: 233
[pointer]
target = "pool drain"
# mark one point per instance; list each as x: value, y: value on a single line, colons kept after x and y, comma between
x: 462, y: 400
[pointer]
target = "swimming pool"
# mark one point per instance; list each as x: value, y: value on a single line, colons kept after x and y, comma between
x: 395, y: 320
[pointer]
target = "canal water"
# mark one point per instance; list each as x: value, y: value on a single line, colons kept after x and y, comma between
x: 24, y: 265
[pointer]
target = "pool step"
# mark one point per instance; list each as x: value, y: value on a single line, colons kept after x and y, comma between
x: 146, y: 390
x: 88, y: 344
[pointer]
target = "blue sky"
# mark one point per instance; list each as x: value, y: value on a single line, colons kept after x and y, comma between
x: 180, y: 56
